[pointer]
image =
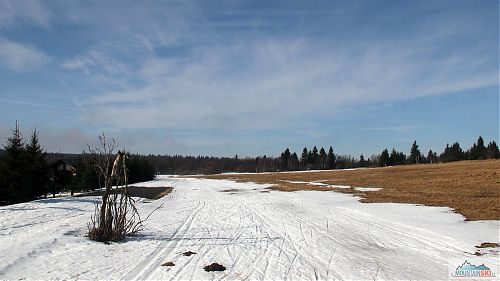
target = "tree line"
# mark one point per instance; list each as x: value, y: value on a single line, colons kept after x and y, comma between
x: 27, y: 171
x: 478, y: 151
x: 315, y: 159
x: 25, y: 166
x: 318, y: 159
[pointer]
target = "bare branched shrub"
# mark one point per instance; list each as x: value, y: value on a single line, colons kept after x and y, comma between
x: 116, y: 216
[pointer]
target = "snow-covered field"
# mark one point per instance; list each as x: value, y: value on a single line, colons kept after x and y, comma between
x: 256, y: 235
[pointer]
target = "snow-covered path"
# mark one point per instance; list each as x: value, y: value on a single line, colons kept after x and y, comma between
x: 255, y: 234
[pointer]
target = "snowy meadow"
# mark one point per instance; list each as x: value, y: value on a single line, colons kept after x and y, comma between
x: 254, y: 232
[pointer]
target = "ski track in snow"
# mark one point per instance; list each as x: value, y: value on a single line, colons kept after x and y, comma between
x: 306, y: 235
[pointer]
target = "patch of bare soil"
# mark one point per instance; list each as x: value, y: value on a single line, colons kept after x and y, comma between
x: 231, y: 190
x: 488, y: 245
x: 188, y: 253
x: 471, y: 188
x: 152, y: 193
x: 487, y: 248
x: 215, y: 267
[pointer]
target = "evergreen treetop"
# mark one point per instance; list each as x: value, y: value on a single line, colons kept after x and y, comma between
x: 384, y: 158
x: 14, y: 169
x: 331, y: 159
x: 414, y: 154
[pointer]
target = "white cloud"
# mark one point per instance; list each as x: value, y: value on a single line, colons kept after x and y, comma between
x: 256, y: 80
x: 20, y: 57
x: 100, y: 66
x: 28, y: 11
x: 275, y: 83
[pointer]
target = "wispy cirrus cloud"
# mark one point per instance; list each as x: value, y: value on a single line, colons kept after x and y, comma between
x: 20, y: 57
x: 275, y: 83
x: 204, y: 75
x: 100, y: 66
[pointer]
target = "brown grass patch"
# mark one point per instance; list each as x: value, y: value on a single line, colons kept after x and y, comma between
x: 471, y: 188
x: 152, y: 193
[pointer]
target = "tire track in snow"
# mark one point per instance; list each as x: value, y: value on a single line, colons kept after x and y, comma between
x: 346, y: 242
x: 437, y: 249
x: 262, y: 228
x: 34, y: 235
x: 292, y: 247
x: 40, y: 223
x: 152, y: 262
x: 228, y: 219
x: 420, y: 237
x: 289, y: 248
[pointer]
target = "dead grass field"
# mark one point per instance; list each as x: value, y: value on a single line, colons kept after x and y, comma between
x: 471, y: 188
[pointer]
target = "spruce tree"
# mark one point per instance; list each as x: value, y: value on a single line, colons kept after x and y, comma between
x: 431, y: 156
x: 397, y: 158
x: 285, y: 159
x: 393, y: 158
x: 414, y: 154
x: 492, y: 150
x: 455, y: 153
x: 310, y: 157
x: 37, y: 175
x: 331, y: 159
x: 446, y: 155
x: 304, y: 158
x: 14, y: 170
x: 481, y: 148
x: 294, y: 162
x: 478, y: 151
x: 362, y: 162
x: 383, y: 160
x: 314, y: 157
x: 322, y: 158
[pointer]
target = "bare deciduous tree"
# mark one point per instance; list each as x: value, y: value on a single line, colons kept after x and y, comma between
x: 116, y: 216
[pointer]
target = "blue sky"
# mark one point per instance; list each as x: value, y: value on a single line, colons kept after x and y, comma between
x: 250, y: 77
